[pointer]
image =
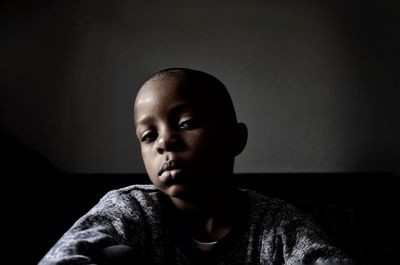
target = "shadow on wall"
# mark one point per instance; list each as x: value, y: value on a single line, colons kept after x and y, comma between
x: 372, y: 32
x: 17, y: 158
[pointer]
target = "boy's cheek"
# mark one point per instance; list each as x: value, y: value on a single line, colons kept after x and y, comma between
x: 211, y: 147
x: 149, y: 165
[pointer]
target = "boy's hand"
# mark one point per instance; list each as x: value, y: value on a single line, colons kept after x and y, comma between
x: 116, y: 255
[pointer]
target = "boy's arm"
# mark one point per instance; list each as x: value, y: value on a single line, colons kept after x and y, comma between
x: 105, y: 224
x: 304, y: 242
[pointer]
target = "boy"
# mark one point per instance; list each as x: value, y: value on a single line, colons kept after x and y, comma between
x: 189, y: 136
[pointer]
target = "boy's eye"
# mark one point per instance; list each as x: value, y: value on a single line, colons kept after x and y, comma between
x: 149, y: 136
x: 188, y: 124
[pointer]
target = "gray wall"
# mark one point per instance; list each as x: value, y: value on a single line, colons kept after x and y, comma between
x: 315, y: 81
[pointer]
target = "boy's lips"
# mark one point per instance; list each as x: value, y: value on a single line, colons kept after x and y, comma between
x: 170, y: 169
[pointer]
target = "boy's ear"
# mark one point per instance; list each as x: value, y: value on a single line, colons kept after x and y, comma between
x: 238, y: 139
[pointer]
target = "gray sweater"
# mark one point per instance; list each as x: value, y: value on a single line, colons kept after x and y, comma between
x: 270, y: 231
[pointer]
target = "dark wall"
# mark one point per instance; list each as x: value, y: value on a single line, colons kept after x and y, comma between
x: 316, y: 82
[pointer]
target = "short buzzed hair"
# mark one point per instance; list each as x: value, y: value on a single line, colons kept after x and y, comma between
x: 205, y: 81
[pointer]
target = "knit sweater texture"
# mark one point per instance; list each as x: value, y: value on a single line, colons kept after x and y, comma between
x: 270, y: 231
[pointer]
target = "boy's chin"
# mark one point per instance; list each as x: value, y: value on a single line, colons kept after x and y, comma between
x: 180, y: 191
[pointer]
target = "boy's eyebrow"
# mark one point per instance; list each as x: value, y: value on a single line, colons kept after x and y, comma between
x: 144, y: 121
x: 181, y: 107
x: 174, y: 110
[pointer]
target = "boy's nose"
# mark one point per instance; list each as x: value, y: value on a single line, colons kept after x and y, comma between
x: 167, y: 141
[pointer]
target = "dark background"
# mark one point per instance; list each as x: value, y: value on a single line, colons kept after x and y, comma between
x: 316, y: 82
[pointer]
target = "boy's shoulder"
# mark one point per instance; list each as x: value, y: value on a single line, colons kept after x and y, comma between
x: 267, y: 207
x: 134, y: 200
x: 146, y: 188
x: 258, y: 198
x: 134, y: 191
x: 133, y: 194
x: 140, y: 188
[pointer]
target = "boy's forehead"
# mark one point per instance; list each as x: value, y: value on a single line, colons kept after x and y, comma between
x: 169, y: 89
x: 172, y: 87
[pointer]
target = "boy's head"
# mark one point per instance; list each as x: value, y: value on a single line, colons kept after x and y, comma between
x: 188, y: 133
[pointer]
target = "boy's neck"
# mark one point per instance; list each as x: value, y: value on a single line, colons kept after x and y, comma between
x: 208, y: 203
x: 210, y: 217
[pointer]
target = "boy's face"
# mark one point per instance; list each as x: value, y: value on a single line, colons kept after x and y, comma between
x: 183, y: 147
